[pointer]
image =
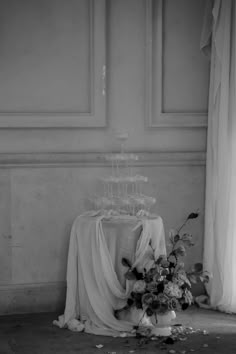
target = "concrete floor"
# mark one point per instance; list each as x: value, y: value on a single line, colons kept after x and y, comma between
x: 35, y: 334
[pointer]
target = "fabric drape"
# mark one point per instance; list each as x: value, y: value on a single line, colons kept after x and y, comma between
x: 220, y: 214
x: 94, y: 290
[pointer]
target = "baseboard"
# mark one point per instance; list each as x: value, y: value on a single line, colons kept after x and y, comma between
x: 42, y: 297
x: 32, y: 298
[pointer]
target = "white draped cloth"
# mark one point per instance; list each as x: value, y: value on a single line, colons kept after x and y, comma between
x: 220, y: 217
x: 96, y: 285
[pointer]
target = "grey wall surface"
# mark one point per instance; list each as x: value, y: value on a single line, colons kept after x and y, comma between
x: 47, y: 174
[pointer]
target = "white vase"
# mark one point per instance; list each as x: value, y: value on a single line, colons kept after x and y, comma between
x: 136, y: 316
x: 162, y: 324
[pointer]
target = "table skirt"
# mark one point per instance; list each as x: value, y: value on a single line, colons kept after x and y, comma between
x: 96, y: 285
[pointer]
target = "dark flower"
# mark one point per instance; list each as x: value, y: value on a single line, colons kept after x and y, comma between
x: 136, y: 296
x: 160, y: 287
x: 169, y: 277
x: 155, y: 305
x: 130, y: 302
x: 176, y: 238
x: 184, y: 306
x: 193, y: 216
x: 139, y: 304
x: 163, y: 308
x: 173, y: 304
x: 197, y: 268
x: 152, y: 286
x: 149, y: 312
x: 147, y: 298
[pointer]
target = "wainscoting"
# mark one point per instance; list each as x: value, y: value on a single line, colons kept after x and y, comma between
x: 41, y: 194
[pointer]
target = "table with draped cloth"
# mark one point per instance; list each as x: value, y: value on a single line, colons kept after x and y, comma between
x: 96, y: 285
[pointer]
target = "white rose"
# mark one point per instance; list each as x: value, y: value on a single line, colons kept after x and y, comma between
x: 139, y: 286
x: 172, y: 289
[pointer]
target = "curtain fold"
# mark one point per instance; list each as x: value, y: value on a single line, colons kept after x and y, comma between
x: 220, y: 215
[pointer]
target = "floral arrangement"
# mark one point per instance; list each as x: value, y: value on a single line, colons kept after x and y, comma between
x: 166, y: 286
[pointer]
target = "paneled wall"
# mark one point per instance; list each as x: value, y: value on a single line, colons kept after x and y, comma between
x: 46, y: 172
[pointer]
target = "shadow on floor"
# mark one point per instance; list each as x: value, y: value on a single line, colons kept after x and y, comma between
x: 35, y: 334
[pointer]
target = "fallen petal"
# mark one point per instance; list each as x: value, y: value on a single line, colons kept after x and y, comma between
x: 99, y: 346
x: 123, y: 335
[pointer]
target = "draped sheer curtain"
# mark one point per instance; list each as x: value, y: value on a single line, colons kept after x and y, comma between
x: 220, y: 214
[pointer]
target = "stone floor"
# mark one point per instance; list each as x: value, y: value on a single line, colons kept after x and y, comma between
x: 35, y: 334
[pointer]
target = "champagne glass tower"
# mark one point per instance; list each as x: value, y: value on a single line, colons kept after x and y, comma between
x: 123, y: 189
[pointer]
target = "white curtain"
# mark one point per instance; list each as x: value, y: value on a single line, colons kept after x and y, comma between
x: 220, y: 214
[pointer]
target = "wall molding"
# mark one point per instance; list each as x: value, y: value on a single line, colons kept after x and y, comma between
x: 161, y: 119
x: 92, y: 159
x: 32, y: 298
x: 96, y: 115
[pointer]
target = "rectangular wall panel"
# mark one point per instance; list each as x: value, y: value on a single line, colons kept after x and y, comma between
x: 52, y: 63
x: 177, y: 73
x: 185, y: 67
